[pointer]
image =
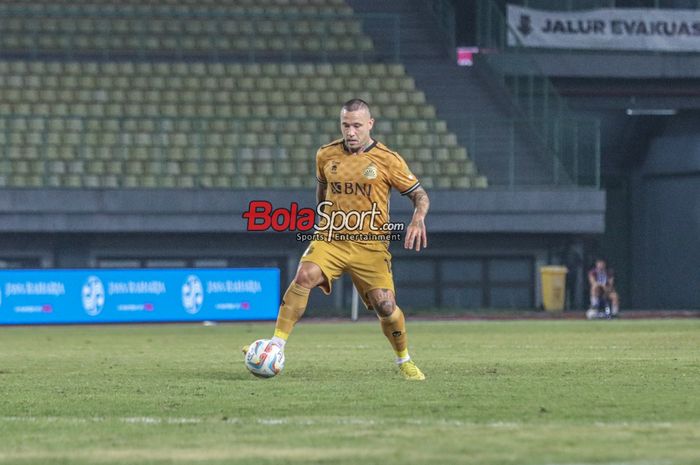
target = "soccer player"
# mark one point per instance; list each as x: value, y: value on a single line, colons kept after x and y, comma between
x: 602, y: 283
x: 355, y: 175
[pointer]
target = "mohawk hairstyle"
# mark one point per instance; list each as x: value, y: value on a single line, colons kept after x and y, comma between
x: 355, y: 105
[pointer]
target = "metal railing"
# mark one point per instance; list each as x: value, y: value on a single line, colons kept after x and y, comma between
x: 514, y: 161
x: 531, y: 91
x: 444, y: 14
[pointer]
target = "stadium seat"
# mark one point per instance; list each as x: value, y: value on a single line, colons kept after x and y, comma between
x: 149, y: 122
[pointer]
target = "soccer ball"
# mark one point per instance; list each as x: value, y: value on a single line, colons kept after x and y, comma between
x: 264, y: 359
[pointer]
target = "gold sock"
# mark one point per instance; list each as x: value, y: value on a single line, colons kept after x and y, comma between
x: 293, y: 305
x: 394, y: 328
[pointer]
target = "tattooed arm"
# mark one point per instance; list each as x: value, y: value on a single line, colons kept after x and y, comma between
x: 416, y: 235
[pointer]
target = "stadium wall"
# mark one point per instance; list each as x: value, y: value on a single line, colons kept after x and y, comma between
x: 124, y: 211
x: 666, y: 219
x: 485, y: 247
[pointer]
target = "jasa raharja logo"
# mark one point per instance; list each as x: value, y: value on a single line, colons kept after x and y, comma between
x: 93, y: 296
x: 192, y: 294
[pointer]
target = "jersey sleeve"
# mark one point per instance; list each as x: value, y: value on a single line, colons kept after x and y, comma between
x: 401, y: 178
x: 320, y: 163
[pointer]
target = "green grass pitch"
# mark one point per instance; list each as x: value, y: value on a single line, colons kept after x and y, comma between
x: 520, y: 392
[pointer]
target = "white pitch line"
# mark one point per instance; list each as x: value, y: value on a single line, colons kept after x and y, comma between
x: 318, y: 422
x: 142, y: 420
x: 642, y: 462
x: 273, y: 421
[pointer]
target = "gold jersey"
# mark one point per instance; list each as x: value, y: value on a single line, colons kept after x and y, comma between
x: 358, y: 187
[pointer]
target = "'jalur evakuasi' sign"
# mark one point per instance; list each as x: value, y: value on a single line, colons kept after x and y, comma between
x: 610, y: 29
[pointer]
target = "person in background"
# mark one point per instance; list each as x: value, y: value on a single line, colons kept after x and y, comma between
x: 605, y: 303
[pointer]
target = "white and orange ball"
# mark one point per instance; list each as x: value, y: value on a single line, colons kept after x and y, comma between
x: 264, y: 359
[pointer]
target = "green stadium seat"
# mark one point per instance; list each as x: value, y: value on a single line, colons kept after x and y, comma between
x: 458, y: 153
x: 116, y: 168
x: 427, y: 182
x: 416, y: 98
x: 480, y: 182
x: 427, y: 111
x: 15, y: 181
x: 424, y: 154
x: 468, y: 167
x: 293, y: 182
x: 413, y: 140
x: 439, y: 126
x: 390, y: 111
x: 198, y: 112
x: 186, y: 182
x: 462, y: 182
x: 227, y: 168
x: 441, y: 153
x: 246, y: 168
x: 444, y: 182
x: 408, y: 112
x: 240, y: 182
x: 109, y: 182
x: 258, y: 182
x: 430, y: 140
x: 91, y: 182
x: 449, y: 140
x: 72, y: 181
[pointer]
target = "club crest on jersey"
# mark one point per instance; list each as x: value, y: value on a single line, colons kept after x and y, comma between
x: 370, y: 172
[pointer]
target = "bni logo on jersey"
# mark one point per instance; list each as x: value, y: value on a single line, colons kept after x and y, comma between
x: 192, y: 294
x: 93, y: 295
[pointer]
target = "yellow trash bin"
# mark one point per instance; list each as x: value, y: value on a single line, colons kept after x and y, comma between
x: 553, y: 287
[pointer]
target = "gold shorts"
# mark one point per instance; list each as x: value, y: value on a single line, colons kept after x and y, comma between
x: 369, y: 264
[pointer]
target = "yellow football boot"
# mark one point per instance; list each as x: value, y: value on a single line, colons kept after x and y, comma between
x: 410, y: 371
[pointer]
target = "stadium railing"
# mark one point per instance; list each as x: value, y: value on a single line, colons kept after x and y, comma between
x: 443, y: 12
x: 531, y: 91
x: 574, y: 162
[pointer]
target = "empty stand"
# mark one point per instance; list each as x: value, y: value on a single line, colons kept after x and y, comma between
x: 211, y: 125
x: 199, y: 94
x: 181, y: 28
